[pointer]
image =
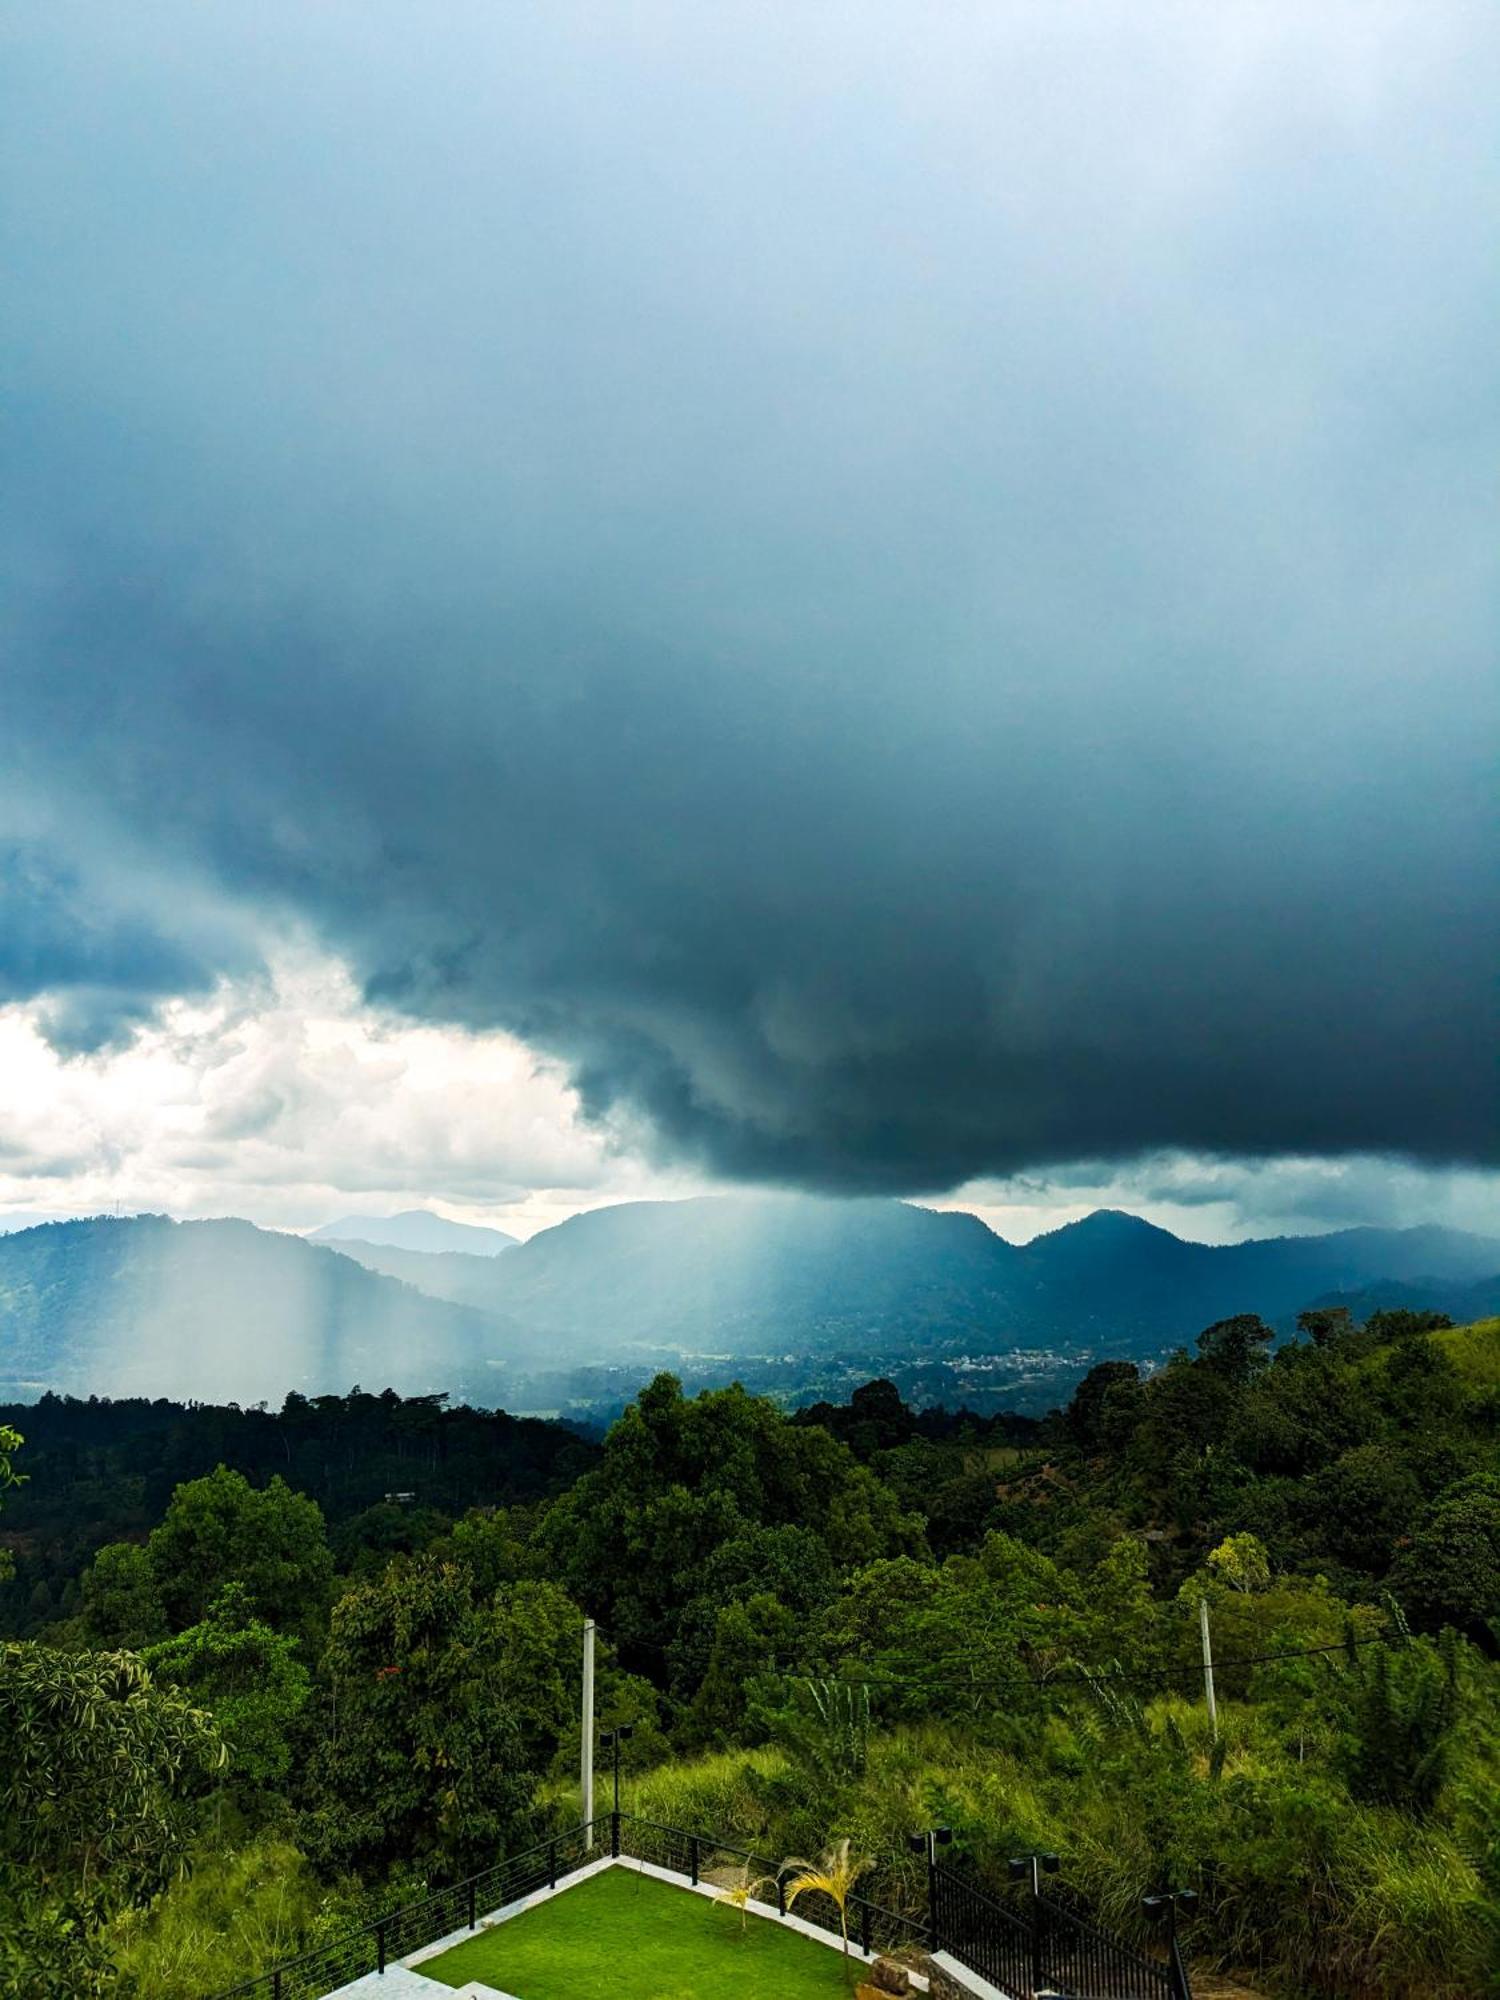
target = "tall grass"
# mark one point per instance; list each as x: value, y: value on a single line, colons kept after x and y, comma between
x: 1305, y: 1891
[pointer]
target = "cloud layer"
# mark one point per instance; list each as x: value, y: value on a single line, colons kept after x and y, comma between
x: 908, y: 598
x: 286, y: 1100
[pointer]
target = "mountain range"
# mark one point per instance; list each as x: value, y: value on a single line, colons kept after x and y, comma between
x: 737, y: 1275
x: 225, y: 1310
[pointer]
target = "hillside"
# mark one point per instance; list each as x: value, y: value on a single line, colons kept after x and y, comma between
x: 793, y: 1294
x: 740, y: 1275
x: 732, y: 1275
x: 1116, y: 1280
x: 1474, y: 1351
x: 215, y: 1310
x: 453, y: 1275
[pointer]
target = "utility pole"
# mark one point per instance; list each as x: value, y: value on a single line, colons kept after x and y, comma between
x: 587, y: 1770
x: 1208, y: 1669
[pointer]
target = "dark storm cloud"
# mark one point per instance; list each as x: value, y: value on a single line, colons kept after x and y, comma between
x: 98, y: 961
x: 913, y: 595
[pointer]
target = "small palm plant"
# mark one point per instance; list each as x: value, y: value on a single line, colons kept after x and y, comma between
x: 834, y: 1873
x: 741, y: 1890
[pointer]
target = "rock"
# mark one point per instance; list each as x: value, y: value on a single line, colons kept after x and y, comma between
x: 886, y: 1976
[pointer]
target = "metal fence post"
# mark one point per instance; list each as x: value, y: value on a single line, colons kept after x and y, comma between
x: 551, y: 1864
x: 1177, y: 1970
x: 614, y: 1834
x: 276, y: 1985
x: 471, y: 1905
x: 693, y: 1857
x: 380, y: 1946
x: 781, y: 1895
x: 864, y: 1929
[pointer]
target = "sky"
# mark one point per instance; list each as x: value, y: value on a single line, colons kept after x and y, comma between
x: 605, y: 602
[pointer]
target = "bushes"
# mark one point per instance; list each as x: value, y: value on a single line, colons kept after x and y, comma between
x: 1313, y: 1892
x: 230, y: 1915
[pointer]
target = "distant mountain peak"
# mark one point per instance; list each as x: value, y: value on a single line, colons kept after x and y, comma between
x: 415, y: 1229
x: 1105, y: 1224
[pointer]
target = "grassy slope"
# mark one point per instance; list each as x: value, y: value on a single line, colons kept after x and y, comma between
x: 1474, y: 1351
x: 623, y: 1936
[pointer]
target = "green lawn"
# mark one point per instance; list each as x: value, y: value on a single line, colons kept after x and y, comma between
x: 624, y: 1936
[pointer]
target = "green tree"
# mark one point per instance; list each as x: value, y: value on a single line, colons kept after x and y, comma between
x: 98, y: 1770
x: 1401, y: 1323
x: 423, y: 1764
x: 249, y: 1679
x: 269, y: 1540
x: 1449, y: 1572
x: 536, y: 1632
x: 492, y: 1544
x: 122, y: 1604
x: 679, y: 1479
x: 10, y: 1443
x: 1236, y: 1348
x: 754, y: 1642
x: 1363, y: 1504
x: 1240, y: 1561
x: 96, y: 1761
x: 1401, y: 1705
x: 972, y: 1638
x: 1101, y: 1403
x: 1326, y: 1325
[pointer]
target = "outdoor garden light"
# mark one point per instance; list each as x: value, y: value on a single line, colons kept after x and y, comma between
x: 928, y: 1843
x: 1162, y: 1907
x: 1166, y: 1902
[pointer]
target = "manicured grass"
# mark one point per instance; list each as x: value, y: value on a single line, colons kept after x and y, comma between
x: 624, y: 1936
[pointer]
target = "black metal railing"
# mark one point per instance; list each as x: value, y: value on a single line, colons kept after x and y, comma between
x: 1044, y: 1947
x: 982, y: 1933
x: 705, y: 1858
x: 1077, y: 1957
x: 1048, y: 1949
x: 407, y: 1927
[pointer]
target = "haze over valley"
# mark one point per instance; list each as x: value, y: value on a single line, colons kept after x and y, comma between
x: 801, y: 1297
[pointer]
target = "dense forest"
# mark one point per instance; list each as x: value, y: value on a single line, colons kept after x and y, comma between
x: 104, y: 1471
x: 261, y: 1693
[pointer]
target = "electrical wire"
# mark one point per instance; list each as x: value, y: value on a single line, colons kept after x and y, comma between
x: 1091, y: 1676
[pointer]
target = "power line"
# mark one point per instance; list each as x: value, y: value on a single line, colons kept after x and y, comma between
x: 1091, y: 1676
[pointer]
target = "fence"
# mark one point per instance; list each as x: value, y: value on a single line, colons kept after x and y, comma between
x: 1050, y: 1950
x: 406, y: 1928
x: 704, y: 1859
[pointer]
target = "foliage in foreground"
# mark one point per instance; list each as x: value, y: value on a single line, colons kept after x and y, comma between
x: 840, y: 1626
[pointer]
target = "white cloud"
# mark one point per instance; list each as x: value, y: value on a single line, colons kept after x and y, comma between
x: 289, y: 1101
x: 1226, y: 1200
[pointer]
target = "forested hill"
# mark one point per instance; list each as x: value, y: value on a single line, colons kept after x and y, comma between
x: 215, y: 1310
x: 751, y: 1274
